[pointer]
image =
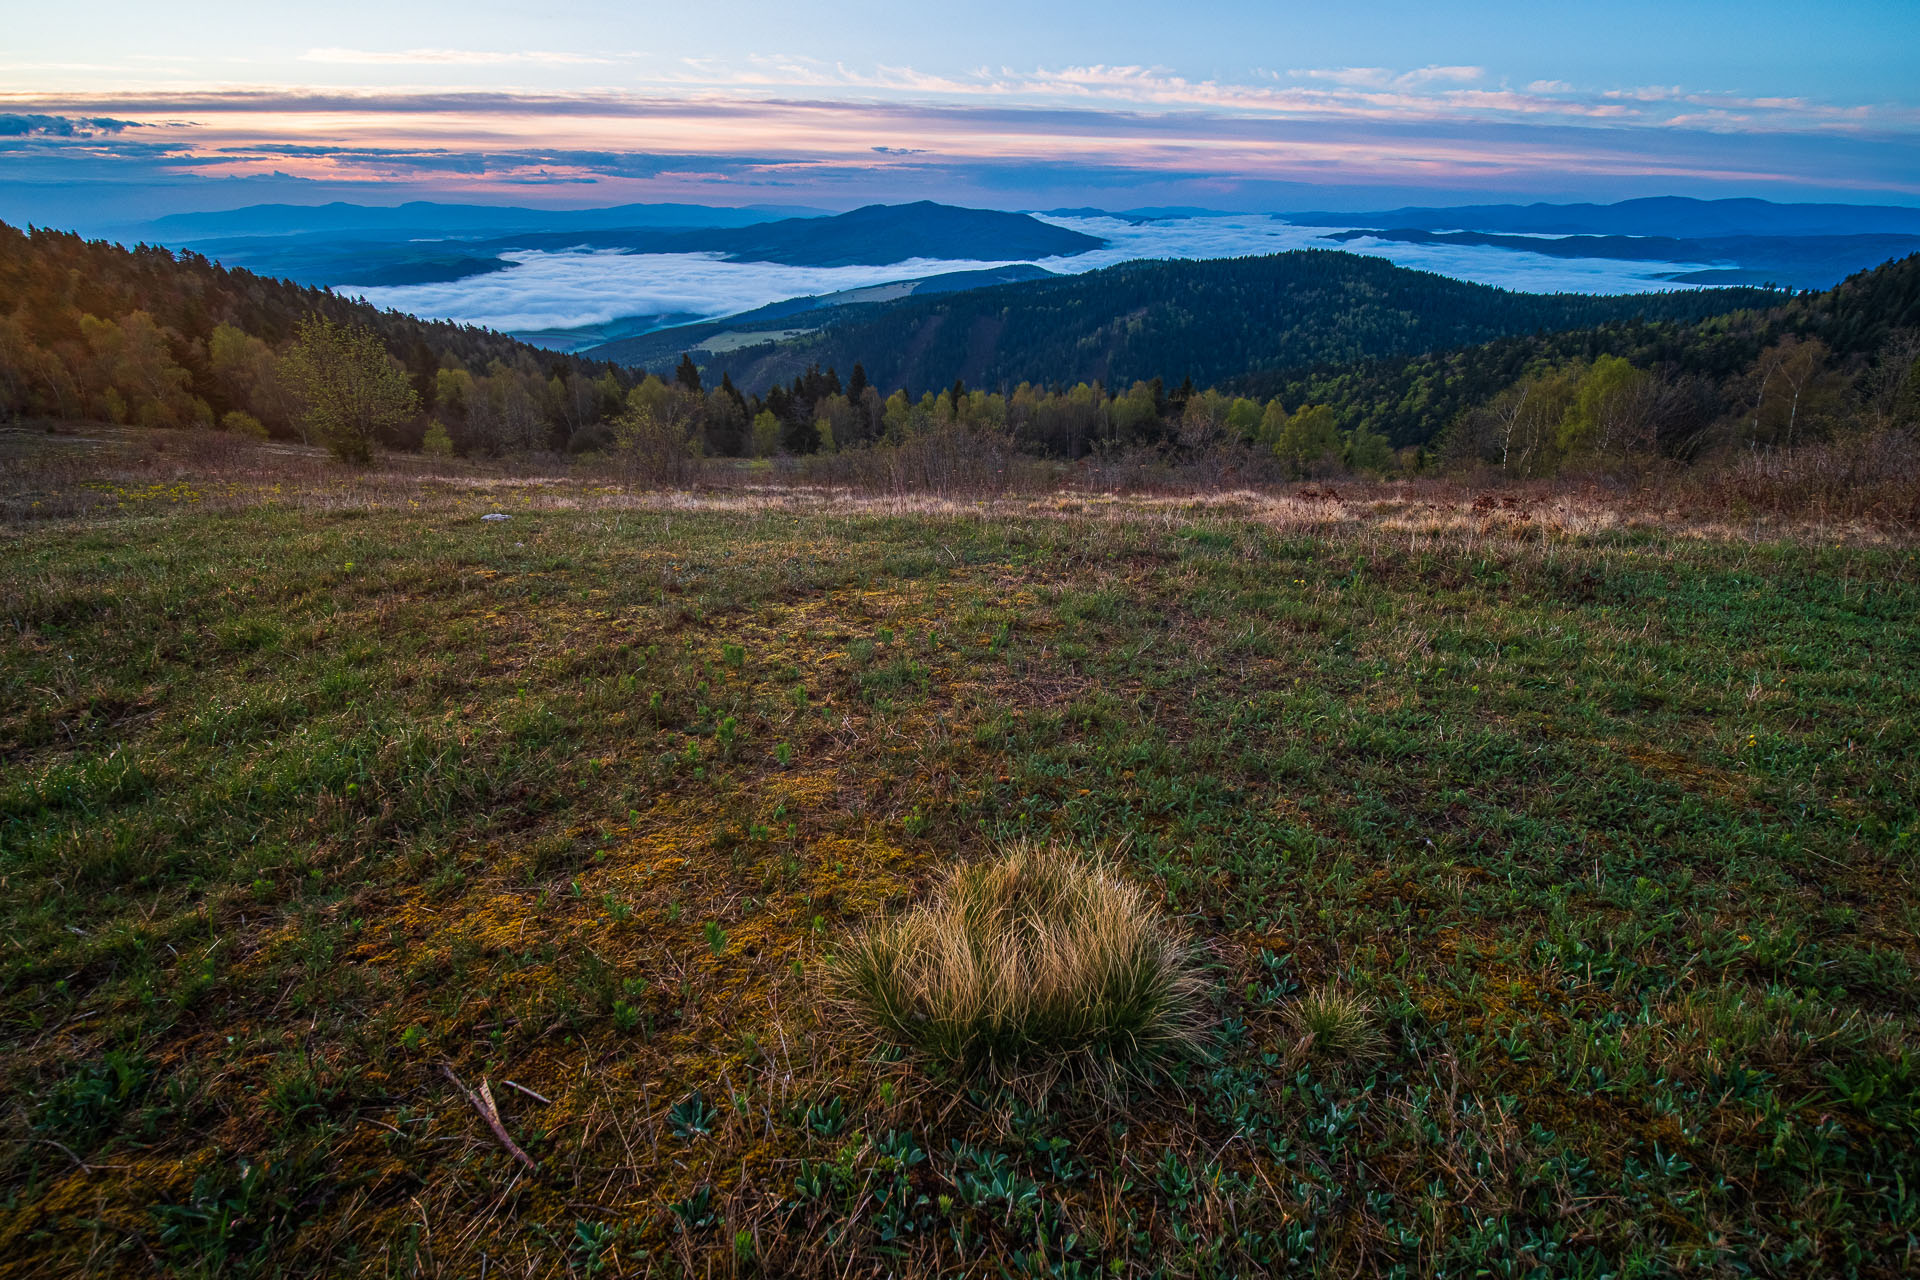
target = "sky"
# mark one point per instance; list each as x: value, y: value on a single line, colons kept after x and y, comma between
x: 115, y: 112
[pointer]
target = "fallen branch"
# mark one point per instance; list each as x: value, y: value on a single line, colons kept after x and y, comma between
x: 483, y: 1103
x: 530, y: 1093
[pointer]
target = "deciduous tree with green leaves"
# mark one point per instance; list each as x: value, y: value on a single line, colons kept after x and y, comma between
x: 1310, y: 440
x: 349, y: 387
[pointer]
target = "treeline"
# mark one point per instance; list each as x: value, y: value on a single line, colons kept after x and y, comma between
x: 1213, y: 322
x: 90, y: 329
x: 1798, y: 372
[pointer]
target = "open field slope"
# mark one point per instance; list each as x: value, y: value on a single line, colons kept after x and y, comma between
x: 1594, y: 834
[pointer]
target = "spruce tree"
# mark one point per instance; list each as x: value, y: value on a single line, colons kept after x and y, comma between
x: 688, y: 374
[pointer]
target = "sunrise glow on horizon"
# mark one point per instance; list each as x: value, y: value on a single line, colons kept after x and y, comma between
x: 1251, y: 107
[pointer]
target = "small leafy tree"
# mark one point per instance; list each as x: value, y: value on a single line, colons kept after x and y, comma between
x: 1368, y: 451
x: 766, y: 434
x: 437, y: 443
x: 1309, y: 441
x: 652, y: 439
x: 350, y: 389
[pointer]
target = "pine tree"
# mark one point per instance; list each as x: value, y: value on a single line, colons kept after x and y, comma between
x: 688, y: 374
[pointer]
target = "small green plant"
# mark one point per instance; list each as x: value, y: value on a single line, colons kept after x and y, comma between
x: 695, y: 1212
x: 91, y: 1101
x: 733, y: 655
x: 716, y: 938
x: 1038, y: 952
x: 691, y: 1117
x: 592, y: 1240
x: 783, y: 753
x: 827, y: 1118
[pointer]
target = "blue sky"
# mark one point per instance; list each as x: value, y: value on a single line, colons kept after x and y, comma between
x: 141, y: 109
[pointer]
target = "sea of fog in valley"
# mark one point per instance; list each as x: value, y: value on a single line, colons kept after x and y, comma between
x: 547, y: 291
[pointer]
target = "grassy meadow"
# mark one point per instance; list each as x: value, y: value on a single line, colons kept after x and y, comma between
x: 1550, y: 866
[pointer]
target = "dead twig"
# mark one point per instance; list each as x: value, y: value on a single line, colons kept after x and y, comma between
x: 483, y: 1103
x: 530, y: 1093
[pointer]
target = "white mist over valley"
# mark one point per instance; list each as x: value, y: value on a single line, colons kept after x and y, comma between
x: 577, y: 288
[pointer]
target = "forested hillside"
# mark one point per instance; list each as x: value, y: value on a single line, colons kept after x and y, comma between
x: 1211, y: 321
x: 1709, y: 361
x: 89, y: 329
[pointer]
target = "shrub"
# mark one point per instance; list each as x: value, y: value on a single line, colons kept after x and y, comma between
x: 596, y: 437
x: 243, y: 424
x: 1037, y: 953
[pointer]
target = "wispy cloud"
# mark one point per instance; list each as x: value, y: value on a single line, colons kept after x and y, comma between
x: 449, y: 58
x: 1432, y: 93
x: 1381, y: 78
x: 767, y: 125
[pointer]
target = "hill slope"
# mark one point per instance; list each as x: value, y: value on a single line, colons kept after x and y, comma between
x: 1213, y: 321
x: 1409, y: 399
x: 82, y: 319
x: 49, y: 278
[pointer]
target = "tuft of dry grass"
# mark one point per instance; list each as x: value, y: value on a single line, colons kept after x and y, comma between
x: 1336, y: 1025
x: 1038, y: 953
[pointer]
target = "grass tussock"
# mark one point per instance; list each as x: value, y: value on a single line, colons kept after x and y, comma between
x: 1336, y: 1026
x: 1037, y: 953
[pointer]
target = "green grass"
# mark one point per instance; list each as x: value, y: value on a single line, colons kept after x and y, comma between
x: 307, y: 794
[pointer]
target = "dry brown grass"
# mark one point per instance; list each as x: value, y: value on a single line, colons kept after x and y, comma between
x: 1038, y: 952
x: 1336, y: 1025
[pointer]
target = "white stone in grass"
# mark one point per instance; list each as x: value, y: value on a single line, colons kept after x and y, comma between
x: 496, y: 515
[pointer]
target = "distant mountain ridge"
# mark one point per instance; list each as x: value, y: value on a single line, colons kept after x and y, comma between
x: 874, y: 235
x: 1678, y: 216
x: 1801, y: 262
x: 411, y: 247
x: 446, y: 219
